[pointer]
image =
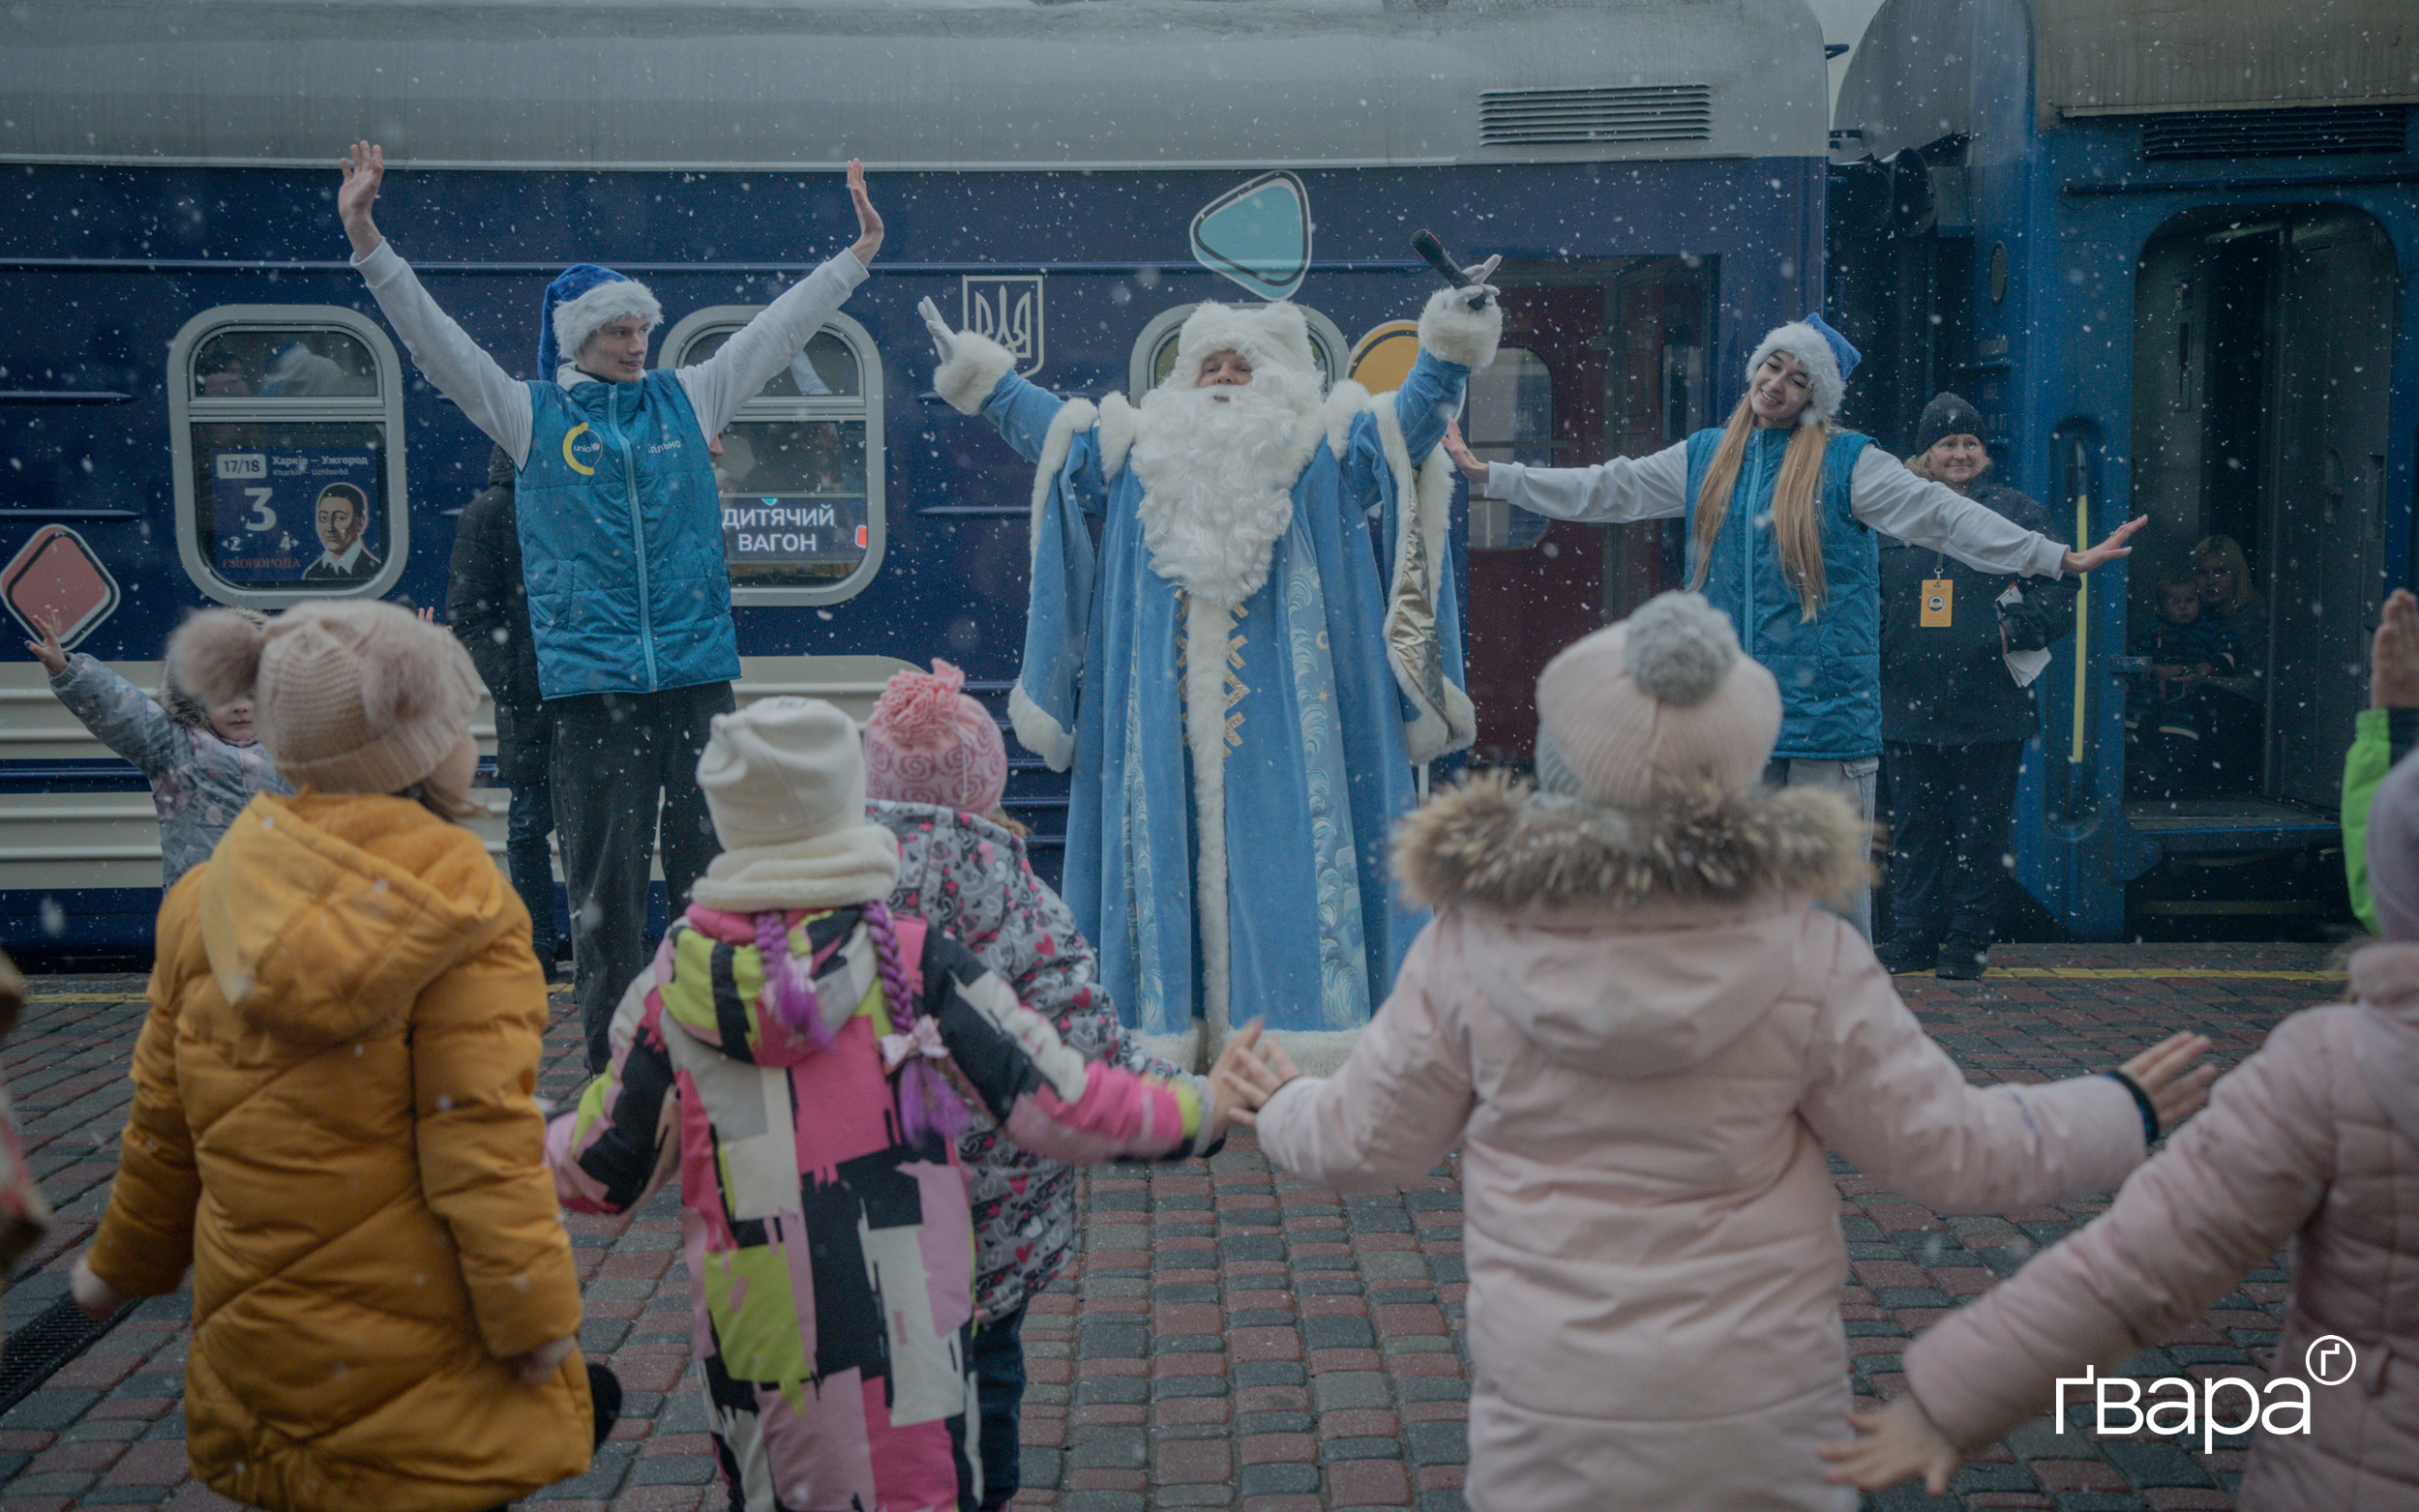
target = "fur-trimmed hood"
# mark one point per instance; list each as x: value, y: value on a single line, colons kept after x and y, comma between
x: 1631, y: 942
x: 1505, y: 846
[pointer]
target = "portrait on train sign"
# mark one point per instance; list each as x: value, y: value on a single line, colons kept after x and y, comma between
x: 296, y: 516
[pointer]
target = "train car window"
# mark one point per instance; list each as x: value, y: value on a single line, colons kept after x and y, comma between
x: 286, y: 427
x: 1510, y: 418
x: 827, y: 367
x: 801, y: 470
x: 1155, y: 352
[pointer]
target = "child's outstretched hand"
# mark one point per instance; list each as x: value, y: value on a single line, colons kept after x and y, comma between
x: 1892, y: 1444
x: 95, y: 1297
x: 48, y: 650
x: 2394, y: 654
x: 1249, y: 1073
x: 537, y: 1367
x: 2175, y: 1092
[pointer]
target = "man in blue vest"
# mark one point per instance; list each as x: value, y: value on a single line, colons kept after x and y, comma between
x: 621, y: 543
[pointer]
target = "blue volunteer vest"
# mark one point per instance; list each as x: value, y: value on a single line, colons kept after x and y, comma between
x: 621, y: 541
x: 1828, y: 667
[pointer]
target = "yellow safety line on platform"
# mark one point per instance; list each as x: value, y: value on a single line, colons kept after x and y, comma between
x: 2131, y: 973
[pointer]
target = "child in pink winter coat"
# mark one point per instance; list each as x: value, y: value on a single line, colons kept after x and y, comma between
x: 1633, y: 1018
x: 2311, y: 1141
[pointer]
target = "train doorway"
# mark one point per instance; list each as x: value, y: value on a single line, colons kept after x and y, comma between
x: 1599, y: 359
x: 2261, y: 391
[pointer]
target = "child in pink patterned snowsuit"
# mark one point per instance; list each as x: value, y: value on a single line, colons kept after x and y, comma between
x: 803, y: 1053
x: 936, y: 768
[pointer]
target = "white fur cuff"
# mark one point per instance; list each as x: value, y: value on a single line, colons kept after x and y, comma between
x: 1039, y: 734
x: 1453, y: 331
x: 972, y: 372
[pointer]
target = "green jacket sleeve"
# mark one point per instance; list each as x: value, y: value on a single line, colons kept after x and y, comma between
x: 2365, y: 766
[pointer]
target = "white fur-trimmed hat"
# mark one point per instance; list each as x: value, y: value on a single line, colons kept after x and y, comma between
x: 579, y: 302
x: 1828, y: 359
x: 1273, y: 336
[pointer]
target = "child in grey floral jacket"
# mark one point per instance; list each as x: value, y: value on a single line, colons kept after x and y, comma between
x: 936, y: 767
x: 203, y: 763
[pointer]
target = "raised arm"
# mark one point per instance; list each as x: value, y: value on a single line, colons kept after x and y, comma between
x: 977, y: 377
x: 1654, y: 487
x: 1936, y: 517
x: 120, y: 715
x: 1458, y: 332
x: 740, y: 369
x: 459, y: 367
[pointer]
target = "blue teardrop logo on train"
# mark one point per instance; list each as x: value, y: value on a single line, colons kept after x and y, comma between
x: 1258, y: 235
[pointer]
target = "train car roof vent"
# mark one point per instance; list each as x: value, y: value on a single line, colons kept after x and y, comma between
x: 1640, y: 114
x: 2321, y: 132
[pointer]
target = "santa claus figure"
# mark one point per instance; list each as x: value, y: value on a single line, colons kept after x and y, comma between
x: 1244, y: 639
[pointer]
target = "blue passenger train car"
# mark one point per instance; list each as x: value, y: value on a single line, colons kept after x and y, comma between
x: 2167, y: 250
x: 190, y: 364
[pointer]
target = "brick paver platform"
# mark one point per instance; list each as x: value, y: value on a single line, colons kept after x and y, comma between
x: 1233, y: 1338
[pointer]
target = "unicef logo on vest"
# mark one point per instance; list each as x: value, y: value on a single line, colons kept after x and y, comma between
x: 582, y: 448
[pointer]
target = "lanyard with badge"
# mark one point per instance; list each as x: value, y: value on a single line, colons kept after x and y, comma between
x: 1939, y: 598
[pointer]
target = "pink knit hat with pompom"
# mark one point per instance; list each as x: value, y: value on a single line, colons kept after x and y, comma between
x: 929, y: 743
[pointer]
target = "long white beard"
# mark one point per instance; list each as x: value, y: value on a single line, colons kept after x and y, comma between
x: 1217, y: 467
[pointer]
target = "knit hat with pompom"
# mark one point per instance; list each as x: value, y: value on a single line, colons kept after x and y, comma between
x: 349, y: 696
x: 929, y: 743
x: 1660, y: 704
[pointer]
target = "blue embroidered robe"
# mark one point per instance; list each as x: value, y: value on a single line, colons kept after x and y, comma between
x: 1318, y: 766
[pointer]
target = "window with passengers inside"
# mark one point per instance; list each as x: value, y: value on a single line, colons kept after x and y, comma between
x: 801, y: 469
x: 288, y: 430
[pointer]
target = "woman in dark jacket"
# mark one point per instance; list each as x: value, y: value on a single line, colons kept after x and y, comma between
x: 488, y: 606
x: 1954, y: 715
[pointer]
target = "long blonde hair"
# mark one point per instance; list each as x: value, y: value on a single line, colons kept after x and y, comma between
x: 1796, y: 506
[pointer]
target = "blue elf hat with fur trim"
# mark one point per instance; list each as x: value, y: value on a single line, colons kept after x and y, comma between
x: 1828, y: 356
x: 581, y: 297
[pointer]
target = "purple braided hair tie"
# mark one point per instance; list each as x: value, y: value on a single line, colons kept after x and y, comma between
x: 928, y: 1103
x: 789, y: 994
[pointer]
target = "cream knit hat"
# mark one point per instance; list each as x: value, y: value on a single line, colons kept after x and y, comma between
x: 349, y: 697
x: 785, y: 779
x: 1660, y: 704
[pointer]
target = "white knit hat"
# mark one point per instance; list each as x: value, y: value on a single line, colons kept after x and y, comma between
x: 785, y: 779
x: 780, y: 770
x: 1660, y: 704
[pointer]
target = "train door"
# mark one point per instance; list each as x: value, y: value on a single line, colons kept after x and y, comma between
x: 2263, y: 361
x: 1596, y: 362
x: 2326, y: 526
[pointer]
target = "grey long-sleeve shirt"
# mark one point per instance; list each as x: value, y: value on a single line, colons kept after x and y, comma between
x: 498, y: 404
x: 1882, y: 494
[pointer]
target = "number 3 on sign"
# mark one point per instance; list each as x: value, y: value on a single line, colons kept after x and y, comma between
x: 262, y: 517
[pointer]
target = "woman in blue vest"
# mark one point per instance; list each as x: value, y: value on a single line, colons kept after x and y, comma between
x: 620, y: 528
x: 1783, y: 507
